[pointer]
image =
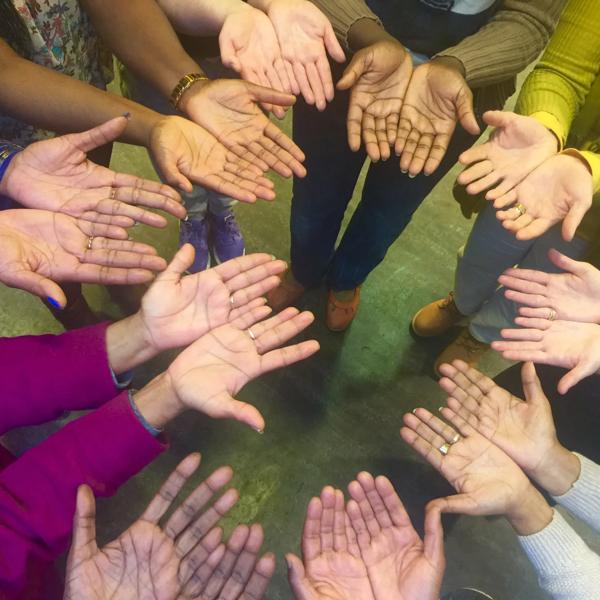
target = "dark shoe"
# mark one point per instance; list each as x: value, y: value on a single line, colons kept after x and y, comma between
x: 195, y: 232
x: 226, y: 238
x: 466, y: 348
x: 341, y: 313
x: 466, y: 594
x: 437, y: 317
x: 287, y: 293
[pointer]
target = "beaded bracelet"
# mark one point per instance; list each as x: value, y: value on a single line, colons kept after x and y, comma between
x: 7, y: 152
x: 184, y: 84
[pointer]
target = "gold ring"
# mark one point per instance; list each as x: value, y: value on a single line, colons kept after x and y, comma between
x: 251, y: 334
x: 521, y: 209
x: 444, y: 448
x: 455, y: 439
x: 551, y: 315
x: 90, y: 242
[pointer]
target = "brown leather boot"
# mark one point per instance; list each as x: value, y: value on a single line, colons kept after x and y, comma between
x: 287, y: 293
x: 341, y: 313
x: 466, y: 348
x: 437, y: 317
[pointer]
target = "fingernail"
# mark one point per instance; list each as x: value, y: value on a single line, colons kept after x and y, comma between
x: 53, y: 302
x: 411, y: 176
x: 440, y: 409
x: 288, y: 563
x: 414, y: 411
x: 403, y: 170
x: 273, y: 257
x: 259, y: 431
x: 127, y: 115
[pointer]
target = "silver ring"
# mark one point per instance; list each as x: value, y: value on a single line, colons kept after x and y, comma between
x: 232, y: 301
x: 444, y: 448
x: 551, y: 315
x: 90, y: 242
x: 251, y: 334
x: 455, y: 439
x: 521, y: 209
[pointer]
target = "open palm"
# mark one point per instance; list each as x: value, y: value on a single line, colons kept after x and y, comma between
x: 400, y: 566
x: 179, y: 309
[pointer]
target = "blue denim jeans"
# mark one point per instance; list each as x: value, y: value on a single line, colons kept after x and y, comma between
x: 319, y: 201
x: 489, y: 251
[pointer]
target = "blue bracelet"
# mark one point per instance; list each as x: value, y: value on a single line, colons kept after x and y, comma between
x: 7, y: 153
x: 154, y: 431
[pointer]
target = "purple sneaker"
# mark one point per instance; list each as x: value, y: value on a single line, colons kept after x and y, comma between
x: 226, y: 238
x: 195, y: 232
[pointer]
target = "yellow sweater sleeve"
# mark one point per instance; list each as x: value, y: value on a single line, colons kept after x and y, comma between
x: 557, y: 87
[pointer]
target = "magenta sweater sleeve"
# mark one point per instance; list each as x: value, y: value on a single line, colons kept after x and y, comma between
x: 37, y: 492
x: 43, y: 376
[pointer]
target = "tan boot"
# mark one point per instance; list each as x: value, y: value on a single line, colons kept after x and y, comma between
x: 287, y: 293
x: 341, y: 313
x: 437, y: 317
x: 465, y: 347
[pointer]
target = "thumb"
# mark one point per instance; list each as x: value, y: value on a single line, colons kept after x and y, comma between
x: 565, y: 263
x: 573, y: 220
x: 223, y: 406
x: 100, y: 135
x: 434, y: 534
x: 84, y: 544
x: 180, y: 263
x: 302, y: 588
x: 575, y: 375
x: 352, y: 72
x: 264, y: 95
x: 332, y: 45
x: 532, y: 387
x: 37, y: 284
x: 464, y: 109
x: 228, y: 54
x: 498, y: 118
x: 459, y: 504
x: 166, y: 164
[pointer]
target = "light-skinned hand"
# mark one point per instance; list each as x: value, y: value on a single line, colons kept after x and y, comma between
x: 331, y: 567
x: 573, y: 295
x: 55, y: 175
x: 568, y: 344
x: 185, y: 152
x: 39, y: 248
x: 184, y: 558
x: 523, y: 429
x: 306, y: 37
x: 437, y: 98
x: 208, y: 374
x: 178, y: 309
x: 514, y: 149
x: 559, y: 190
x: 399, y: 564
x: 377, y: 77
x: 249, y: 45
x: 229, y: 110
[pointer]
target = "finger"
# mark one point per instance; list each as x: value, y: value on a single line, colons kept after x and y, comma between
x: 97, y: 229
x: 524, y: 335
x: 460, y: 424
x: 525, y: 284
x: 483, y: 184
x: 483, y: 384
x: 430, y: 453
x: 303, y: 84
x: 311, y: 534
x: 237, y: 313
x: 159, y: 197
x: 324, y: 74
x: 475, y: 172
x: 117, y: 220
x: 437, y: 153
x: 318, y: 86
x: 328, y: 501
x: 332, y: 45
x: 84, y: 545
x: 36, y: 284
x: 573, y: 220
x: 277, y: 359
x: 282, y: 74
x: 292, y: 77
x: 458, y: 504
x: 101, y: 243
x: 532, y: 386
x: 194, y: 532
x: 340, y: 541
x: 289, y: 153
x: 249, y: 294
x: 87, y: 273
x: 98, y: 136
x: 534, y: 229
x: 262, y: 94
x: 443, y: 430
x: 180, y: 263
x: 196, y: 501
x: 465, y: 112
x: 527, y: 311
x: 352, y: 72
x: 421, y: 154
x: 301, y: 586
x: 404, y: 129
x: 409, y: 149
x: 223, y: 406
x: 512, y: 351
x: 249, y: 318
x: 474, y: 155
x: 197, y: 581
x: 461, y: 409
x: 454, y: 388
x: 391, y: 124
x: 416, y: 422
x: 433, y: 540
x: 351, y: 539
x: 574, y: 376
x: 354, y: 125
x: 369, y: 137
x: 382, y: 138
x: 358, y: 494
x: 563, y: 262
x: 168, y: 491
x: 260, y: 578
x: 279, y: 329
x: 528, y: 274
x: 505, y: 190
x: 124, y: 259
x: 244, y: 271
x: 193, y: 568
x: 357, y: 521
x: 393, y: 505
x: 375, y: 500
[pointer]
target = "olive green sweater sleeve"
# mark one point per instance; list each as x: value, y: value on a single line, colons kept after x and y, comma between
x: 343, y: 14
x: 512, y: 39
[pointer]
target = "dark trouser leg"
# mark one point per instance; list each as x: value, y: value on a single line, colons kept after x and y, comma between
x: 388, y: 202
x: 321, y: 198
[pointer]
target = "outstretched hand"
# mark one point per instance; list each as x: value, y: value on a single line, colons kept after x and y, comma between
x: 55, y: 175
x: 377, y: 77
x: 178, y: 309
x: 516, y: 147
x: 184, y: 558
x: 437, y: 98
x: 38, y: 248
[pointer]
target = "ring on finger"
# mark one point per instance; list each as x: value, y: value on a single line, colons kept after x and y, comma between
x: 551, y: 315
x: 455, y: 439
x: 251, y: 334
x: 444, y: 448
x: 521, y: 209
x: 90, y: 242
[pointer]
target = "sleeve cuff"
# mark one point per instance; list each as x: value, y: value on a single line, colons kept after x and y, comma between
x: 552, y: 123
x: 593, y: 160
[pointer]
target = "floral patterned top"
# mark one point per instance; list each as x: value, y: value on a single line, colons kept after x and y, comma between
x: 64, y: 40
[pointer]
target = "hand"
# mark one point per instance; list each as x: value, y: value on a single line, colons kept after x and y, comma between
x: 184, y: 152
x: 228, y: 109
x: 574, y: 346
x: 182, y: 559
x: 207, y: 374
x: 306, y: 37
x: 400, y: 566
x: 437, y: 98
x: 560, y: 189
x: 249, y: 46
x: 573, y: 295
x: 332, y: 567
x: 177, y: 309
x: 516, y: 147
x: 38, y: 248
x: 55, y: 175
x: 524, y: 430
x: 378, y: 77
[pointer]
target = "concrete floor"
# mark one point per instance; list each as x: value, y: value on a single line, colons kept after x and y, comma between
x: 331, y: 416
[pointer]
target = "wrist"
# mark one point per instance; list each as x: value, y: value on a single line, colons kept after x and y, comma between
x: 128, y: 344
x: 450, y: 62
x: 558, y: 471
x: 8, y: 153
x: 157, y: 401
x: 191, y: 91
x: 530, y: 513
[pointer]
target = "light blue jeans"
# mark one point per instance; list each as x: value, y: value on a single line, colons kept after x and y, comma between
x: 200, y: 200
x: 489, y: 251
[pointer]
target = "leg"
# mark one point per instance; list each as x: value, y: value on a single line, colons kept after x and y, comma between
x: 225, y: 237
x: 498, y: 312
x: 388, y: 202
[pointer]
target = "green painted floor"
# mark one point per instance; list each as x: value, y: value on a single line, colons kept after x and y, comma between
x: 331, y: 416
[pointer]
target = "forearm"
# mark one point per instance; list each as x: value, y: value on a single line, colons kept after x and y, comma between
x: 53, y: 101
x: 200, y: 17
x: 140, y: 35
x: 366, y: 32
x: 530, y: 513
x: 157, y: 402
